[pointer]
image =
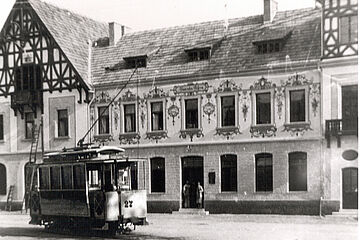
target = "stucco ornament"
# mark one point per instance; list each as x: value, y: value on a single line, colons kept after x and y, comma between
x: 244, y: 98
x: 262, y: 83
x: 102, y: 97
x: 315, y: 97
x: 116, y: 111
x: 227, y: 86
x: 142, y: 107
x: 209, y: 107
x: 279, y: 96
x: 297, y: 80
x: 173, y: 110
x: 155, y: 92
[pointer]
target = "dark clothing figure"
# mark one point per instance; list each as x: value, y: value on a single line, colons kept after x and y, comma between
x: 186, y: 192
x: 199, y: 195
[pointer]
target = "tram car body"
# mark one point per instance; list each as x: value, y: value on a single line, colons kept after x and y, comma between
x: 89, y: 187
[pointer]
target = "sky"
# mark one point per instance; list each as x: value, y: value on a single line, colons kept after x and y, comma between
x: 151, y: 14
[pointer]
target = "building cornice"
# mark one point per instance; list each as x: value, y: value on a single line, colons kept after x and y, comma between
x: 339, y: 62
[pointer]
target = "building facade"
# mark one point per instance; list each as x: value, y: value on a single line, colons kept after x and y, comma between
x: 245, y: 107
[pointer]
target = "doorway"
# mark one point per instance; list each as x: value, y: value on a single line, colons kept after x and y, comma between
x: 350, y: 188
x: 192, y: 172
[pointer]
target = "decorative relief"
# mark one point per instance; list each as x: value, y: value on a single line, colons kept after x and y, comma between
x: 191, y: 89
x: 297, y: 80
x: 315, y: 97
x: 173, y: 110
x: 142, y: 110
x: 279, y: 96
x: 128, y: 96
x: 209, y: 107
x: 102, y: 97
x: 129, y: 138
x: 244, y: 98
x: 156, y: 135
x: 227, y: 131
x: 262, y: 83
x: 263, y: 131
x: 116, y: 113
x: 156, y: 92
x: 191, y: 133
x: 227, y: 86
x: 297, y: 128
x: 103, y: 138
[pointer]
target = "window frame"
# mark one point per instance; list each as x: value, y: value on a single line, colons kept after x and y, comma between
x: 306, y: 166
x: 254, y: 105
x: 123, y: 120
x: 183, y: 112
x: 150, y: 120
x: 109, y: 121
x: 256, y: 157
x: 194, y: 55
x: 2, y: 133
x: 220, y: 109
x: 288, y: 104
x: 350, y: 34
x: 27, y: 137
x: 152, y: 175
x: 57, y: 135
x: 221, y: 173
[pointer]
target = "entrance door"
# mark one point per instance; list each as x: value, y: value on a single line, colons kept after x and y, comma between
x: 350, y: 188
x: 192, y: 172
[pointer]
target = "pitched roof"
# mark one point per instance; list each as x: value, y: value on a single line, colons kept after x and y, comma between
x: 231, y: 54
x: 71, y: 31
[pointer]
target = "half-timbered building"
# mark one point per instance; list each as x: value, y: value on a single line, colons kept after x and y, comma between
x: 238, y: 106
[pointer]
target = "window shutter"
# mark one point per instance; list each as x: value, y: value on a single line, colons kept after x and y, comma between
x: 56, y: 134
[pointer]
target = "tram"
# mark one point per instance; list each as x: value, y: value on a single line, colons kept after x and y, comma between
x: 87, y: 187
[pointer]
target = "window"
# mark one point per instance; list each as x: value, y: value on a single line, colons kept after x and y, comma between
x: 264, y: 174
x: 297, y: 105
x: 44, y: 178
x: 157, y: 122
x: 263, y: 108
x: 1, y: 127
x: 198, y: 54
x: 348, y: 29
x: 297, y: 171
x: 63, y: 123
x: 349, y: 107
x: 29, y: 125
x: 30, y: 78
x: 228, y: 173
x: 139, y: 62
x: 79, y: 177
x: 157, y: 174
x: 104, y: 126
x: 134, y: 176
x: 3, y: 183
x: 94, y: 180
x: 268, y: 47
x: 55, y: 177
x: 66, y: 177
x: 130, y: 118
x: 191, y: 113
x: 228, y: 111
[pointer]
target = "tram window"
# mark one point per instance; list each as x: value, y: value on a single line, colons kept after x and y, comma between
x: 66, y: 177
x: 79, y: 177
x: 55, y: 177
x: 134, y: 177
x: 124, y: 179
x: 44, y: 178
x: 94, y: 180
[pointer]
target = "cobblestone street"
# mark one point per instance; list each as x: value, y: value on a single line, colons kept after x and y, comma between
x: 167, y: 226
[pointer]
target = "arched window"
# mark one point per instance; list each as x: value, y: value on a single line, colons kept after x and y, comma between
x: 157, y: 174
x: 298, y: 171
x: 264, y: 172
x: 228, y: 173
x: 2, y: 179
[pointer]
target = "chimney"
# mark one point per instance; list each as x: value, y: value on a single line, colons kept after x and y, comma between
x: 270, y: 9
x: 116, y: 31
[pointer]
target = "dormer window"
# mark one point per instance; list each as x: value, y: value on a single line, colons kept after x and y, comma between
x: 133, y: 62
x: 198, y: 54
x: 268, y: 47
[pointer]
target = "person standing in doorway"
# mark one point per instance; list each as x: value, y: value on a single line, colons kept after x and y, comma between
x: 186, y: 192
x: 199, y: 195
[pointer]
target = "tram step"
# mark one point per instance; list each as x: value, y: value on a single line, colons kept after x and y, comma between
x: 346, y: 212
x: 191, y: 211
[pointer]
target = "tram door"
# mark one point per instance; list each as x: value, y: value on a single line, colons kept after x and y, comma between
x: 192, y: 172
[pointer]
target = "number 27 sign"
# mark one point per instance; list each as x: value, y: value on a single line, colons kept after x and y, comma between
x: 128, y: 204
